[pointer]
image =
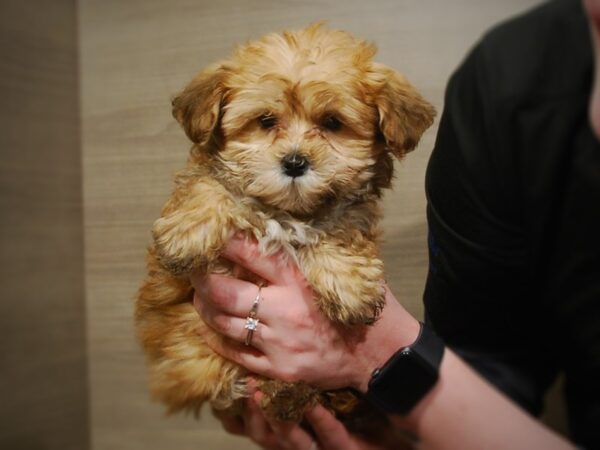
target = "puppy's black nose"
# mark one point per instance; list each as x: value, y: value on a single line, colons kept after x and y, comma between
x: 294, y: 165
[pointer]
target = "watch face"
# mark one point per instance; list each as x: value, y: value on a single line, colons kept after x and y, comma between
x: 410, y: 368
x: 416, y: 365
x: 407, y: 377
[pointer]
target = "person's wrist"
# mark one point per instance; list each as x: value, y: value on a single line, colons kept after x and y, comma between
x: 395, y: 329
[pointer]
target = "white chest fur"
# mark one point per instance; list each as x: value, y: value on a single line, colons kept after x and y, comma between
x: 288, y: 234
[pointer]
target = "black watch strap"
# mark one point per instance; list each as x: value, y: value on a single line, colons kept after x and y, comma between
x: 408, y: 375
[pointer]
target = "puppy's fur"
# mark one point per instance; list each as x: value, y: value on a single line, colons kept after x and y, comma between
x: 313, y: 97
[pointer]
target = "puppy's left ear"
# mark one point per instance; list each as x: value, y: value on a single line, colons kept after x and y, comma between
x: 403, y: 114
x: 198, y: 107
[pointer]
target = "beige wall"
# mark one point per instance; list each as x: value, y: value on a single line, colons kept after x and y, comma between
x: 134, y: 55
x: 43, y: 386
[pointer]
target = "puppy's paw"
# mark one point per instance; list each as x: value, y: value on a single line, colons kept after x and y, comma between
x: 183, y: 243
x: 348, y: 281
x: 287, y: 401
x: 355, y: 300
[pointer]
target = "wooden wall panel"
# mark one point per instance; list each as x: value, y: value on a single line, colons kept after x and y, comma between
x: 43, y: 383
x: 134, y: 56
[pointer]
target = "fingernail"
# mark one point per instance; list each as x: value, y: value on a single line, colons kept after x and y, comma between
x: 252, y: 383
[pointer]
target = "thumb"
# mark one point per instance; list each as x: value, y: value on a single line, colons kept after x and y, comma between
x: 331, y: 433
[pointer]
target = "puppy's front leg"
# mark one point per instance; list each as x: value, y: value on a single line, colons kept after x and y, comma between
x: 194, y: 226
x: 347, y: 278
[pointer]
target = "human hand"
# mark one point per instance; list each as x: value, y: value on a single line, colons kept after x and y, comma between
x: 294, y: 341
x: 270, y: 434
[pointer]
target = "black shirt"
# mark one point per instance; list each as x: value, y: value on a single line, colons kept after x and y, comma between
x: 513, y: 190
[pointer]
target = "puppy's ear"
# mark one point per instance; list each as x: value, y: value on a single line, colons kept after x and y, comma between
x: 403, y: 114
x: 198, y: 107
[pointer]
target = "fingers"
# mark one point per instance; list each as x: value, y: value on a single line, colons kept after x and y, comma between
x: 272, y: 434
x: 232, y: 424
x: 251, y: 424
x: 246, y: 253
x: 256, y: 427
x: 220, y: 294
x: 229, y: 295
x: 331, y: 433
x: 228, y: 315
x: 235, y: 330
x: 247, y: 356
x: 289, y: 434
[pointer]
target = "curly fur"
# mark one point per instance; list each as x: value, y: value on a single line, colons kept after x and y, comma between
x: 315, y: 93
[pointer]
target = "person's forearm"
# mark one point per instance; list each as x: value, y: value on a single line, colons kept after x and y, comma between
x: 464, y: 411
x: 396, y: 328
x: 461, y: 411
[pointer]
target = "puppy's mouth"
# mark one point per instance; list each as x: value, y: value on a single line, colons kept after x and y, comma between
x: 300, y: 191
x: 294, y: 184
x: 295, y: 198
x: 304, y: 194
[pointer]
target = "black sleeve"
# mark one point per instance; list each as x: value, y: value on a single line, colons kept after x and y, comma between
x: 478, y: 291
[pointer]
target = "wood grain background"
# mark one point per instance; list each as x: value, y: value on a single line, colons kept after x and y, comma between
x: 134, y: 55
x: 43, y: 383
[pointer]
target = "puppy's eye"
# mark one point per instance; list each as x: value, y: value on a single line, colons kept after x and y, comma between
x: 267, y: 121
x: 331, y: 123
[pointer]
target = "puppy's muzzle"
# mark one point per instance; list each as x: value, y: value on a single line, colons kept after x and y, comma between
x: 294, y: 165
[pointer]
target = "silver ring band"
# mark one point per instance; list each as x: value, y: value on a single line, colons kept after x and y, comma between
x: 252, y: 319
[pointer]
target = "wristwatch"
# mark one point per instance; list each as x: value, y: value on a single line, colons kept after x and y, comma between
x: 408, y: 375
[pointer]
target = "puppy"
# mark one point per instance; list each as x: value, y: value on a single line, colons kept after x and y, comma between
x: 293, y: 139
